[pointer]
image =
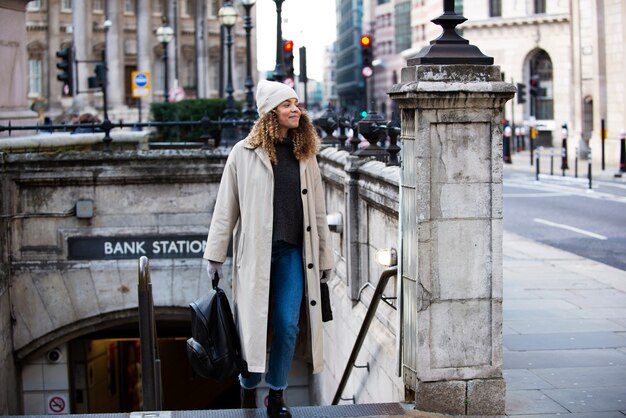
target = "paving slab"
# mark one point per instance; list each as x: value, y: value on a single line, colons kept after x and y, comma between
x: 516, y: 315
x: 564, y: 341
x: 590, y: 399
x: 595, y: 414
x: 554, y: 325
x: 582, y: 377
x: 531, y: 402
x: 563, y: 358
x: 522, y: 379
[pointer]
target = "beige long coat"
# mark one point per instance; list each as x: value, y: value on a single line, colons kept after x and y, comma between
x: 244, y: 210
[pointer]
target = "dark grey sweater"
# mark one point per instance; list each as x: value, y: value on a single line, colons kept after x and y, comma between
x: 288, y: 216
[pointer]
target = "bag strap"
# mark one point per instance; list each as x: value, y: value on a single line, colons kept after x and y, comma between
x: 215, y: 280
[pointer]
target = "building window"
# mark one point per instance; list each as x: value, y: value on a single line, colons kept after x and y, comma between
x: 187, y: 8
x: 98, y: 6
x: 540, y: 6
x: 215, y: 7
x: 129, y: 7
x: 191, y: 74
x: 66, y: 5
x: 34, y: 77
x: 157, y: 7
x: 542, y: 104
x: 34, y: 6
x: 495, y: 8
x: 403, y: 26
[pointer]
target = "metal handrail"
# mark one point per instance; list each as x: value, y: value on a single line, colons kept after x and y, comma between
x: 369, y: 316
x: 150, y: 362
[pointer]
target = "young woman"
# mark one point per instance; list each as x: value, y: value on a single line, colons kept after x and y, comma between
x: 271, y: 201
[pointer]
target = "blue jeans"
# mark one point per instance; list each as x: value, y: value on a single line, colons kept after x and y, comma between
x: 286, y: 289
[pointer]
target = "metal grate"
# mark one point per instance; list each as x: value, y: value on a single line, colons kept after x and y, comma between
x: 378, y: 410
x: 337, y: 411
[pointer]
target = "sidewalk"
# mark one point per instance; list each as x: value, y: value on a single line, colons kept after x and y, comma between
x: 564, y: 333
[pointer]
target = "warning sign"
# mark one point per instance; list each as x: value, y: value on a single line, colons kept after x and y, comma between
x: 57, y: 404
x: 140, y: 81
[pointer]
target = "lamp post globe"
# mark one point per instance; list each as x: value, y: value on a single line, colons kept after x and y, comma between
x: 165, y: 34
x: 228, y: 17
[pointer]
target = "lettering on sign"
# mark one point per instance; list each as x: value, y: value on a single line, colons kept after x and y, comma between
x: 121, y: 248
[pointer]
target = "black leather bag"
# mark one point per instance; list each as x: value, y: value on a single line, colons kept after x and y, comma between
x: 214, y: 350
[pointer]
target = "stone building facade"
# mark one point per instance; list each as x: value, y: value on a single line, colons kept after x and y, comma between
x: 194, y: 54
x: 576, y: 49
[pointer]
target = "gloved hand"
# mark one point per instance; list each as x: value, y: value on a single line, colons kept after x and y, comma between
x: 325, y: 275
x: 214, y: 267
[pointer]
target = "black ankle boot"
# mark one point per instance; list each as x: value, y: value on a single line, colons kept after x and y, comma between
x: 248, y: 398
x: 276, y: 407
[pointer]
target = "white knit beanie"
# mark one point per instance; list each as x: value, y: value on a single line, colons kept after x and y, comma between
x: 270, y: 94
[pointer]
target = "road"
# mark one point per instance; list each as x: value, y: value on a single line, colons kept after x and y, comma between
x: 564, y: 213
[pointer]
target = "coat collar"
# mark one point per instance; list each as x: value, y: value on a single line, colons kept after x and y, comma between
x: 266, y: 160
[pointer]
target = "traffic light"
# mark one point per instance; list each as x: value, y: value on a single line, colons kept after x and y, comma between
x: 66, y: 74
x: 521, y: 93
x: 288, y: 59
x: 97, y: 80
x: 535, y: 86
x: 367, y: 56
x: 302, y: 55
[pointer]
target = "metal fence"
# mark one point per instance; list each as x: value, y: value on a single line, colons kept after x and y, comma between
x: 368, y: 137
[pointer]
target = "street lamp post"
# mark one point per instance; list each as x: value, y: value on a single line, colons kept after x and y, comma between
x: 106, y: 123
x: 250, y: 111
x: 107, y: 24
x: 164, y: 35
x: 279, y: 71
x: 228, y: 17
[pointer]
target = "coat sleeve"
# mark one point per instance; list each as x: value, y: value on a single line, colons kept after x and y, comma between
x: 225, y: 214
x: 325, y: 250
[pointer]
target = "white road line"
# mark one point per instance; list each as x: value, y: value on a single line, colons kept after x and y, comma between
x: 570, y: 228
x: 545, y: 194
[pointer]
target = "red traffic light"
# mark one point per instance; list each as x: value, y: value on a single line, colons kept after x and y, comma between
x: 366, y: 40
x: 288, y: 46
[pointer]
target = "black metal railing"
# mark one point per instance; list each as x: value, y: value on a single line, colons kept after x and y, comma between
x: 371, y: 136
x: 242, y: 126
x: 369, y: 316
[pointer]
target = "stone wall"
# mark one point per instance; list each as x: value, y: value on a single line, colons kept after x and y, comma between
x: 374, y: 226
x: 166, y: 194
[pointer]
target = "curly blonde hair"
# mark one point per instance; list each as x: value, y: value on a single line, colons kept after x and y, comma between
x: 265, y: 133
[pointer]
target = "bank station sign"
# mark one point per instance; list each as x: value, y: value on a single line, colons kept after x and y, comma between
x: 121, y: 248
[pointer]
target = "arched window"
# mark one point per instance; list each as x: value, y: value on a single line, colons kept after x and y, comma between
x: 542, y: 103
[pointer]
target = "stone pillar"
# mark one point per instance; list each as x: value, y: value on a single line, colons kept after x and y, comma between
x: 115, y: 54
x: 172, y: 47
x: 52, y: 86
x: 80, y: 36
x: 451, y: 212
x: 202, y: 56
x: 13, y: 65
x: 144, y: 43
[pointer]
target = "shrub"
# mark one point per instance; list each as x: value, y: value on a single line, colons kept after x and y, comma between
x: 187, y: 110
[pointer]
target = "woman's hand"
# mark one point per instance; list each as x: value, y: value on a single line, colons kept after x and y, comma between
x: 214, y: 268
